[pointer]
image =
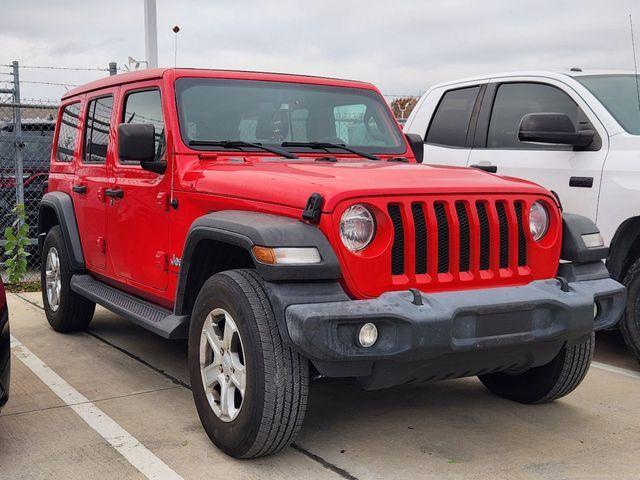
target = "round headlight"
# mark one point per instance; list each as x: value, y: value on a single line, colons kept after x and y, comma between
x: 538, y: 220
x: 357, y: 227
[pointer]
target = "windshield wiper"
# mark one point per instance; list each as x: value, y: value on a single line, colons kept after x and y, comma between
x: 240, y: 144
x: 326, y: 145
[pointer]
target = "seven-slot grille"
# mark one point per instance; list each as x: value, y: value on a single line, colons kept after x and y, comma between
x: 456, y: 236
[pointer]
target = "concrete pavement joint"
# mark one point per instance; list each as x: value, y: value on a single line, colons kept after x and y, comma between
x: 117, y: 397
x: 328, y: 465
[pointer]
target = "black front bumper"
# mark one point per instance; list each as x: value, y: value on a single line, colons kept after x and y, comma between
x: 452, y: 334
x: 5, y: 356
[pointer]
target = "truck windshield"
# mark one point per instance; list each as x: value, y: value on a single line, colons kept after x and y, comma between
x: 273, y: 113
x: 619, y: 95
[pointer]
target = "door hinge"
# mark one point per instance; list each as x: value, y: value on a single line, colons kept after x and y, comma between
x: 162, y: 200
x: 161, y: 261
x: 101, y: 243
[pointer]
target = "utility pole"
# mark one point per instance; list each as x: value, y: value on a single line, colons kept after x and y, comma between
x: 151, y: 33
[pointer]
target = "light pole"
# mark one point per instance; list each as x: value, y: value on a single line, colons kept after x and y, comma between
x: 151, y: 33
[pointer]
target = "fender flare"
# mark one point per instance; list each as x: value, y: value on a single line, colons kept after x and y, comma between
x: 62, y: 205
x: 245, y: 229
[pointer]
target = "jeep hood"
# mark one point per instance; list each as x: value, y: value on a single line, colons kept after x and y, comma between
x: 291, y: 183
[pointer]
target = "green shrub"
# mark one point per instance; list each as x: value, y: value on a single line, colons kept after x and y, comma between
x: 17, y: 238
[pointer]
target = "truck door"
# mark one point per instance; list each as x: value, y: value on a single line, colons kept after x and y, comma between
x: 446, y: 137
x: 574, y: 174
x: 92, y: 177
x: 138, y: 213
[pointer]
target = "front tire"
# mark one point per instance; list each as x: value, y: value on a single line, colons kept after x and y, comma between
x: 547, y: 382
x: 66, y: 311
x: 630, y: 321
x: 249, y: 388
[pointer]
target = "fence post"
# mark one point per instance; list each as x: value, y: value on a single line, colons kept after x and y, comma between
x: 113, y: 68
x: 17, y: 130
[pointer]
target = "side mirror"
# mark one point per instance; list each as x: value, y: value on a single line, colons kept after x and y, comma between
x: 136, y: 143
x: 417, y: 145
x: 554, y: 128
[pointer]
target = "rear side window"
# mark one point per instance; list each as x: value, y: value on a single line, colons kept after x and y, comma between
x: 450, y: 122
x: 97, y: 129
x: 514, y: 100
x: 68, y: 136
x: 146, y: 107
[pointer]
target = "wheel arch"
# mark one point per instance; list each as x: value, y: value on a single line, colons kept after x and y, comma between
x: 223, y: 241
x: 624, y: 248
x: 56, y: 208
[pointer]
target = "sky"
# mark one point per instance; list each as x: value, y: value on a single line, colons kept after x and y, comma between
x: 402, y: 46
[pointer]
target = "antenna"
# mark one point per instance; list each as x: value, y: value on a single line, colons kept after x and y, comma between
x: 635, y: 62
x: 176, y: 29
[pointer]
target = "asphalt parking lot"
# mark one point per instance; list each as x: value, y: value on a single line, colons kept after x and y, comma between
x: 93, y: 405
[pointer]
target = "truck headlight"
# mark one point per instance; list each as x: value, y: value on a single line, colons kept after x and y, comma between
x: 538, y: 220
x: 357, y: 227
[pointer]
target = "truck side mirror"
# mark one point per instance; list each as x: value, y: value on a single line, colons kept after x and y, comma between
x: 554, y: 128
x: 417, y: 145
x: 136, y: 143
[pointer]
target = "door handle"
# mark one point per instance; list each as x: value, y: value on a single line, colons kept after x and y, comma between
x: 486, y: 168
x: 81, y: 189
x: 583, y: 182
x: 114, y: 193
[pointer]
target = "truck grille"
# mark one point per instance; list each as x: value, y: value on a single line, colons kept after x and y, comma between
x: 457, y: 236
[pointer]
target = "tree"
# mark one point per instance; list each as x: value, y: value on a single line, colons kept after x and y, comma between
x: 403, y: 106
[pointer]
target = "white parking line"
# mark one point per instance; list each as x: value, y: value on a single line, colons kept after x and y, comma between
x: 130, y: 448
x: 620, y: 371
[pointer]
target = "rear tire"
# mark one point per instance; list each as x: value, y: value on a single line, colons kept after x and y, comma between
x: 267, y: 413
x: 67, y: 311
x: 630, y: 321
x: 547, y: 382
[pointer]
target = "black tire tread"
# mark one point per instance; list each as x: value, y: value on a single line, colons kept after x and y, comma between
x: 576, y: 365
x: 630, y: 322
x: 75, y: 312
x: 286, y: 398
x: 548, y: 382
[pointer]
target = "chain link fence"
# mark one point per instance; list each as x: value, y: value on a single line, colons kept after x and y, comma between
x: 26, y: 133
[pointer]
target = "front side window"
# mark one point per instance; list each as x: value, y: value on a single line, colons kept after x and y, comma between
x: 450, y: 122
x: 620, y: 95
x: 68, y: 136
x: 146, y: 107
x: 271, y: 113
x: 515, y: 100
x: 97, y: 129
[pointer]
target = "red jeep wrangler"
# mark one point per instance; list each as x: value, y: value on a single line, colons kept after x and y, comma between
x: 285, y: 226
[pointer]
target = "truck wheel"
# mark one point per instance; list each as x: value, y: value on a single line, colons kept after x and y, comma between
x: 547, y: 382
x: 249, y: 388
x: 630, y: 321
x: 66, y: 310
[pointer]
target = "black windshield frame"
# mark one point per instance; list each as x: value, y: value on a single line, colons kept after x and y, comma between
x: 396, y: 147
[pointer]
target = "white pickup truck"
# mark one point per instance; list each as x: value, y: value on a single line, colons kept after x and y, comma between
x: 575, y: 132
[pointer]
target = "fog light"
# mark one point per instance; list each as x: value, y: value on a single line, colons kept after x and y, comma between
x: 368, y: 335
x: 596, y: 310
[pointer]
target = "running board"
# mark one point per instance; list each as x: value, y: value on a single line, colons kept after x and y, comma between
x: 152, y: 317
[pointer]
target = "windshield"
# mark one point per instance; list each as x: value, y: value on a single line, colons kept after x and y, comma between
x: 271, y: 113
x: 619, y: 95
